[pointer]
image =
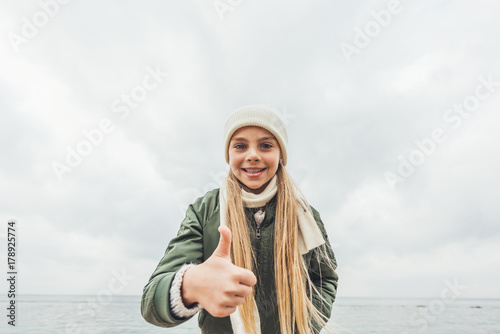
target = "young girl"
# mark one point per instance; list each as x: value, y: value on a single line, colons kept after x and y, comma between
x: 253, y: 256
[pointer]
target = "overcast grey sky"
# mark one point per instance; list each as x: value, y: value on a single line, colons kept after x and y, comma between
x: 112, y: 116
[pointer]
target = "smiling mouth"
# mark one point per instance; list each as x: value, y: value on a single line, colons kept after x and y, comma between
x: 253, y: 170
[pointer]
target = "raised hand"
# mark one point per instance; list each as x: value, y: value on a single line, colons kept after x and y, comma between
x: 217, y: 284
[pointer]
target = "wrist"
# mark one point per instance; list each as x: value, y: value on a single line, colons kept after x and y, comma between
x: 177, y: 305
x: 187, y: 294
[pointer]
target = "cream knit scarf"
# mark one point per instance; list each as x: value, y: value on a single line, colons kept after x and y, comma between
x: 310, y: 235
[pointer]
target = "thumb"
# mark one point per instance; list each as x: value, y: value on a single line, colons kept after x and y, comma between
x: 224, y: 247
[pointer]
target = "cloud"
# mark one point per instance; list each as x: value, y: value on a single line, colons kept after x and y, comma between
x: 349, y: 123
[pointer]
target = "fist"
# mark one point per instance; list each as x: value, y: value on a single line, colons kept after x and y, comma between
x: 217, y: 284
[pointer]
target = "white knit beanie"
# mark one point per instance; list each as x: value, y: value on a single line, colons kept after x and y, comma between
x: 256, y: 115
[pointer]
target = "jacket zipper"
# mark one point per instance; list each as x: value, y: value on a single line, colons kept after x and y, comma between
x: 259, y: 218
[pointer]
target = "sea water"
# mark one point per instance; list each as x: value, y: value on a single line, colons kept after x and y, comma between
x: 121, y: 314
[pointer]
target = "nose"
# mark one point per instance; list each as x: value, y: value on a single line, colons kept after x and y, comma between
x: 253, y: 154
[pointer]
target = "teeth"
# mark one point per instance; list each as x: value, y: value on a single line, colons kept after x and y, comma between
x: 254, y: 170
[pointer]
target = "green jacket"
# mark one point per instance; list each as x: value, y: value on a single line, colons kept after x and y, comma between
x: 196, y: 240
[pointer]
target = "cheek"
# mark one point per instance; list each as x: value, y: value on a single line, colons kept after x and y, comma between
x: 234, y: 161
x: 275, y: 159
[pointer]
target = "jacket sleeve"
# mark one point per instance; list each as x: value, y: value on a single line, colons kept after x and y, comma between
x: 186, y: 247
x: 322, y: 274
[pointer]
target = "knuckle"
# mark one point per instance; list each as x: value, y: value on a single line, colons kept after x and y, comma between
x: 225, y: 300
x: 248, y: 291
x: 229, y: 289
x: 234, y: 277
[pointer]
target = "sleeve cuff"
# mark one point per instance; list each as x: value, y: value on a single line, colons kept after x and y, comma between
x: 177, y: 306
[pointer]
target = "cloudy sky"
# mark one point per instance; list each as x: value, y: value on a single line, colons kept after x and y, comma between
x: 112, y: 117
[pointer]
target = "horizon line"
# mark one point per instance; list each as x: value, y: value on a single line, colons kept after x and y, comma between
x: 336, y: 299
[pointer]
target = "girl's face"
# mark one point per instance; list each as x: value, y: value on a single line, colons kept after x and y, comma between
x: 254, y: 156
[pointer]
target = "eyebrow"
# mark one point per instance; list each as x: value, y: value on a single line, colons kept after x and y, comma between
x: 244, y: 139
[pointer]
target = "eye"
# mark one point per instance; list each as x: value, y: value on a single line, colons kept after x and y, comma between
x: 239, y: 146
x: 267, y: 145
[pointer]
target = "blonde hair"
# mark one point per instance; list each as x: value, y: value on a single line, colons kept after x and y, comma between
x: 295, y: 307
